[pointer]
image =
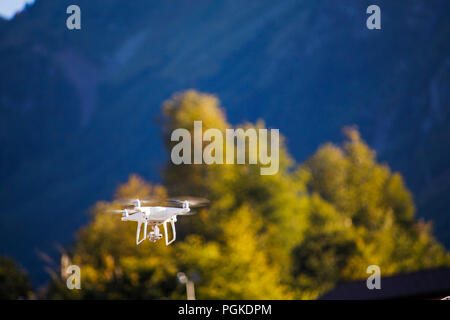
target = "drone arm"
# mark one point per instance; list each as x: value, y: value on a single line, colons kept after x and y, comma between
x: 138, y: 232
x: 172, y: 222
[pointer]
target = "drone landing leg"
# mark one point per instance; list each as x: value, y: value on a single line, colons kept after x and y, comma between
x: 138, y: 232
x: 172, y: 222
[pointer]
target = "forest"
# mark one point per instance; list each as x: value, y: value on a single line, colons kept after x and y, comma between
x: 291, y: 235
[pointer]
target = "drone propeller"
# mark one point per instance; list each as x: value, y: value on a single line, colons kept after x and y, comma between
x: 123, y: 211
x: 132, y: 202
x: 150, y: 200
x: 190, y: 213
x: 124, y: 202
x: 193, y: 201
x: 115, y: 211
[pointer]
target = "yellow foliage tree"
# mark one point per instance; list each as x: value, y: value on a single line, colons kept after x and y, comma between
x: 294, y: 234
x: 362, y: 215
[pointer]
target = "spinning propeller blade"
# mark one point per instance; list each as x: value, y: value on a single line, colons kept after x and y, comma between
x: 151, y: 200
x: 123, y: 211
x: 114, y: 211
x: 193, y: 201
x: 190, y: 213
x: 133, y: 201
x: 125, y: 202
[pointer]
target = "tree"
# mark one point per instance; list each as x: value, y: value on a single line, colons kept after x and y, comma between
x: 180, y: 111
x: 362, y: 214
x: 294, y: 234
x: 235, y: 266
x: 279, y: 198
x: 114, y: 267
x: 14, y: 282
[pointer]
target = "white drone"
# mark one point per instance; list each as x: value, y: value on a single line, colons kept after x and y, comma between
x: 155, y: 216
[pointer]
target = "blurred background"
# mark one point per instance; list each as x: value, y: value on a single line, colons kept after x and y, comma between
x: 85, y: 117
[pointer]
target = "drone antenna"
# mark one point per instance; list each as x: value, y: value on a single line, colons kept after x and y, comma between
x: 185, y: 204
x: 138, y: 203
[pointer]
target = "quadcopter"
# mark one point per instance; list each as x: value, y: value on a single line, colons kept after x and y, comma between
x: 155, y: 216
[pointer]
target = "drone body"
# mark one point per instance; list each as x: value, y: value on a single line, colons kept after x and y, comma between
x: 147, y: 216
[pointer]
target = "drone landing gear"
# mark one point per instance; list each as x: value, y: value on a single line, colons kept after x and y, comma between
x: 154, y: 235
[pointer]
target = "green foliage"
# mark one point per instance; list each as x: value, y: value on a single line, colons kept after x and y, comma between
x: 294, y: 234
x: 279, y: 198
x: 180, y: 112
x: 360, y: 214
x: 14, y: 282
x: 234, y: 267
